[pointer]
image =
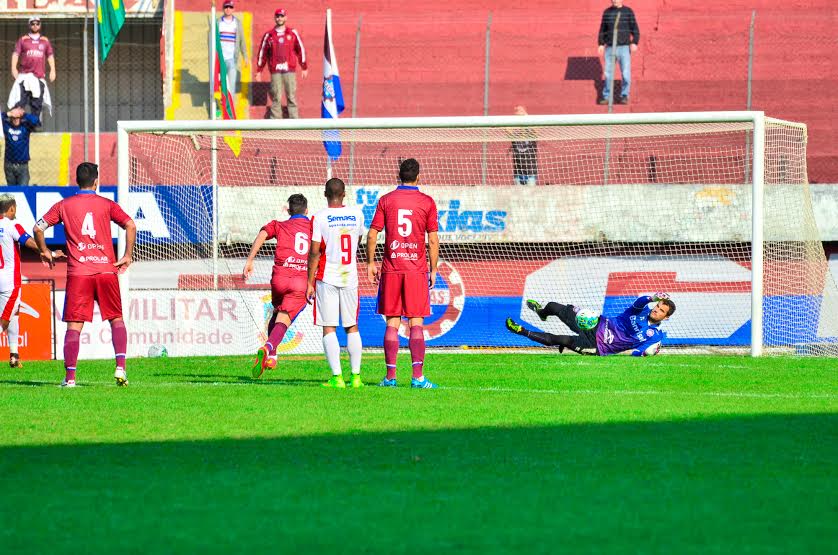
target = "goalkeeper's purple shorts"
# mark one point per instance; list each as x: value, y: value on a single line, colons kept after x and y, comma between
x: 404, y: 295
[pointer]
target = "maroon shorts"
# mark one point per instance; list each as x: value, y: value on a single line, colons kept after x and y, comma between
x: 81, y: 291
x: 288, y: 295
x: 404, y: 295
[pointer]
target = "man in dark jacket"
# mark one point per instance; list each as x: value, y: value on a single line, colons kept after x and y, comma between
x: 17, y: 126
x: 618, y: 21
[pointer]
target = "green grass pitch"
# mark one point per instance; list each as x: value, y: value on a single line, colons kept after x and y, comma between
x: 514, y: 453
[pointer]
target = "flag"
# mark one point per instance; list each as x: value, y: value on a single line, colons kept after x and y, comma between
x: 332, y: 104
x: 111, y: 15
x: 223, y: 96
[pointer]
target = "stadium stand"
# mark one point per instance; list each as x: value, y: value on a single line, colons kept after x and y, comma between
x: 427, y: 60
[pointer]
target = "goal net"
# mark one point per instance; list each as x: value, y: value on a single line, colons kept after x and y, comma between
x: 592, y: 211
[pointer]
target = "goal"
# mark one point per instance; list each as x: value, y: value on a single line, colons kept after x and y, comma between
x: 590, y: 210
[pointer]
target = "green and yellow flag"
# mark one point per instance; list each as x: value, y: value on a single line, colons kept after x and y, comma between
x: 111, y: 15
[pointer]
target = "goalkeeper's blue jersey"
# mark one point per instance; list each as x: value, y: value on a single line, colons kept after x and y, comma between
x: 629, y: 330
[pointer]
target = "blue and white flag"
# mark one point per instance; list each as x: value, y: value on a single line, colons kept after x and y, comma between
x: 332, y: 104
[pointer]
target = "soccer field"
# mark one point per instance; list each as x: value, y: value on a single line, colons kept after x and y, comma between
x: 514, y: 453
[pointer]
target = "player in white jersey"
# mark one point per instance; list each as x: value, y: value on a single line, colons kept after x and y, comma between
x: 333, y: 279
x: 12, y: 233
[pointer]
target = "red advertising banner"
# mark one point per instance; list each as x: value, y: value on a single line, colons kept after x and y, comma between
x: 35, y: 338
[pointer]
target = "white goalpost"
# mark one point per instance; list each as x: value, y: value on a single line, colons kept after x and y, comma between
x: 590, y: 210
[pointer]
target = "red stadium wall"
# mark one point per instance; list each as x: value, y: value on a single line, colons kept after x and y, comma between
x: 427, y: 59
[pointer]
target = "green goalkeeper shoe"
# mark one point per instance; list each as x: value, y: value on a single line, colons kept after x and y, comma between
x: 535, y: 306
x: 336, y: 382
x: 355, y: 381
x: 514, y: 327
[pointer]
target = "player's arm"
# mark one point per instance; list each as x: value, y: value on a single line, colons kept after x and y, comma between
x: 130, y: 238
x: 38, y: 232
x: 254, y: 249
x: 372, y: 269
x: 313, y: 260
x: 650, y: 347
x: 15, y: 58
x: 56, y: 254
x: 433, y: 253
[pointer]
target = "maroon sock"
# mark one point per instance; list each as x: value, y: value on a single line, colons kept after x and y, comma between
x: 391, y: 351
x: 417, y: 349
x: 276, y: 337
x: 71, y: 353
x: 272, y: 323
x: 119, y: 337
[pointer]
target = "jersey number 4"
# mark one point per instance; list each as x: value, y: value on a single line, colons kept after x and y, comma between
x: 87, y: 227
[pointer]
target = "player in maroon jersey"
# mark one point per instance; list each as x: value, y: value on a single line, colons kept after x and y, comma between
x: 404, y: 281
x: 288, y: 278
x: 92, y: 267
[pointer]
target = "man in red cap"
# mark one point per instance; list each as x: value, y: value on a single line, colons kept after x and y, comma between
x: 280, y: 49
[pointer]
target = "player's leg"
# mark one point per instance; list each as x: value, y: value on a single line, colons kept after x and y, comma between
x: 108, y: 296
x: 349, y: 309
x: 9, y: 308
x: 13, y: 335
x: 574, y: 342
x: 78, y: 309
x: 390, y: 306
x: 327, y: 315
x: 417, y: 302
x: 548, y: 339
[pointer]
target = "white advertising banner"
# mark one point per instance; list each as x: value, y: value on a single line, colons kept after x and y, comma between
x: 698, y: 213
x: 190, y: 323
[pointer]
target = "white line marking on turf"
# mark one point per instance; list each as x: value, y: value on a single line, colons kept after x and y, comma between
x: 649, y: 392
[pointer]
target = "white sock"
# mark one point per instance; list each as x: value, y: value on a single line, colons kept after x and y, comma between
x: 332, y: 349
x: 353, y: 345
x: 12, y: 334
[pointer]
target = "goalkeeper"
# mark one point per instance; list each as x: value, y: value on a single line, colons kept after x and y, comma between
x: 636, y: 329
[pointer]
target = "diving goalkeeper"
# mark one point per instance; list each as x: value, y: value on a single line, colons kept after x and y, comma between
x: 636, y: 329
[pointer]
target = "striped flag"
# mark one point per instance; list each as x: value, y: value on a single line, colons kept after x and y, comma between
x: 223, y: 95
x: 332, y: 104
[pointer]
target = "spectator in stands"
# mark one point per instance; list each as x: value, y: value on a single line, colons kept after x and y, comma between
x: 280, y: 49
x: 17, y: 126
x: 29, y: 58
x: 618, y: 21
x: 524, y: 153
x: 231, y: 35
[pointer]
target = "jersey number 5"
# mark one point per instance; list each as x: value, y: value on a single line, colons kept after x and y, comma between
x: 87, y: 227
x: 405, y: 224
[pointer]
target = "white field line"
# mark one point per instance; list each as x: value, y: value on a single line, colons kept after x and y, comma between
x: 625, y: 392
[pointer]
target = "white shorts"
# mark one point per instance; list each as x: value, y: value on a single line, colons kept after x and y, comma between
x: 9, y: 303
x: 331, y: 302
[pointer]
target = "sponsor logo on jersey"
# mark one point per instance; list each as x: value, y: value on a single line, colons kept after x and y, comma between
x: 350, y: 218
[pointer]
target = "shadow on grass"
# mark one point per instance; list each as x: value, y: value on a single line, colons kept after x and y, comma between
x: 760, y: 484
